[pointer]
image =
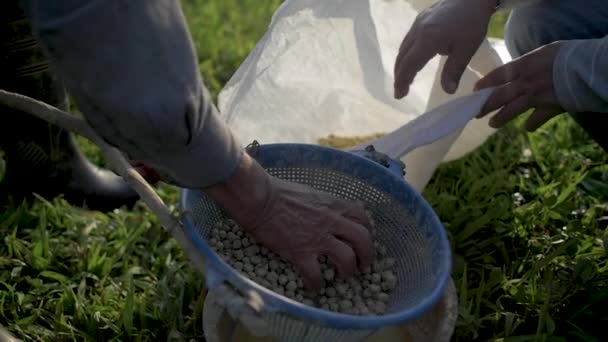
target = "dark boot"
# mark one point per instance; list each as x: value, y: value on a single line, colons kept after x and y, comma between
x: 42, y: 158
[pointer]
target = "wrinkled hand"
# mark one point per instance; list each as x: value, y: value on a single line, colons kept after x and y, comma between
x: 298, y: 223
x: 301, y: 224
x: 522, y: 84
x: 453, y: 28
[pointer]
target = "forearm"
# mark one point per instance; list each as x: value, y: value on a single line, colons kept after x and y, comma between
x: 580, y: 75
x: 132, y: 70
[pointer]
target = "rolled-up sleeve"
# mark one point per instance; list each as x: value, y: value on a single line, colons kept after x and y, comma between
x: 131, y: 68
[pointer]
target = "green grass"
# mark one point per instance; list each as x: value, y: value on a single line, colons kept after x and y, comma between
x: 526, y: 213
x: 536, y: 268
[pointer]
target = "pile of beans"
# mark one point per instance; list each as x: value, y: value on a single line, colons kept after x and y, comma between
x: 366, y: 293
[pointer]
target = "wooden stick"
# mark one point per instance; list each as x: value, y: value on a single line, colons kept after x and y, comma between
x: 114, y: 157
x: 46, y: 112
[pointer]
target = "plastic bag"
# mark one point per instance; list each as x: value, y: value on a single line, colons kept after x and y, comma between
x: 326, y: 67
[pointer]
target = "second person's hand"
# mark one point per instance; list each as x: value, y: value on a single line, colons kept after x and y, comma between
x: 297, y: 222
x: 453, y: 28
x: 524, y: 83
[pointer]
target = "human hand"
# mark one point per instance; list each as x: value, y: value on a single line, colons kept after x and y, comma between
x: 296, y: 222
x: 524, y: 83
x: 453, y: 28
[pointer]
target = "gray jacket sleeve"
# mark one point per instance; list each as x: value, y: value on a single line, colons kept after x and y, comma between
x: 131, y: 68
x: 580, y: 76
x: 508, y: 5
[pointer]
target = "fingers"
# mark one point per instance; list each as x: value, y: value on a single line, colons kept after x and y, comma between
x: 342, y: 256
x: 454, y: 68
x: 501, y: 96
x: 354, y: 211
x: 499, y: 76
x: 357, y: 238
x: 510, y: 111
x: 404, y: 48
x: 409, y: 62
x: 534, y: 65
x: 310, y: 269
x: 516, y: 98
x: 540, y: 116
x: 406, y: 44
x: 358, y: 215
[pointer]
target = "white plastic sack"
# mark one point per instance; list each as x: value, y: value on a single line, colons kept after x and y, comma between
x: 326, y: 67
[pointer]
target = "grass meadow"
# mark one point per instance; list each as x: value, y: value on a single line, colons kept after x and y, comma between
x: 526, y: 214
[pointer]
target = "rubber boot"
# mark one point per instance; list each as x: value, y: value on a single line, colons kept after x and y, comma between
x: 43, y: 158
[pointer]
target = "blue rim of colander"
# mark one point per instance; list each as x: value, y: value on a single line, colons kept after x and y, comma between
x: 275, y: 302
